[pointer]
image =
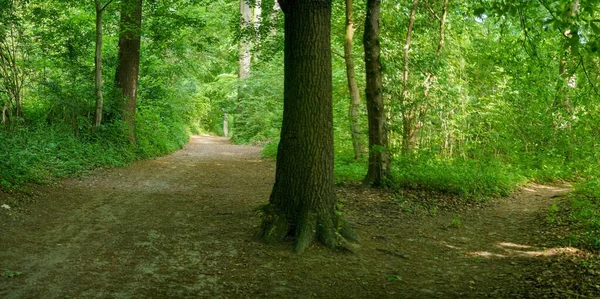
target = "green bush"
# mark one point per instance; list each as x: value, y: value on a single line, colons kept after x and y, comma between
x: 468, y: 178
x: 37, y: 154
x: 585, y: 212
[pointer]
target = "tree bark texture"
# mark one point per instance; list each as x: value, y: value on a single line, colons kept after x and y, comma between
x: 127, y: 74
x: 379, y: 158
x: 303, y: 200
x: 357, y: 145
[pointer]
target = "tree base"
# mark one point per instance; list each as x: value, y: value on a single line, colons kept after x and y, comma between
x: 331, y: 231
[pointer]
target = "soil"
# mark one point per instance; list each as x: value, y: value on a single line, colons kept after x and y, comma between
x: 182, y: 226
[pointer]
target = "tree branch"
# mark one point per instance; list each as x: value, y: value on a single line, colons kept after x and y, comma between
x: 587, y: 75
x: 106, y: 5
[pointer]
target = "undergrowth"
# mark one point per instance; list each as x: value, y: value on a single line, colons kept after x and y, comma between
x: 584, y: 213
x: 37, y: 154
x: 469, y: 179
x: 466, y: 178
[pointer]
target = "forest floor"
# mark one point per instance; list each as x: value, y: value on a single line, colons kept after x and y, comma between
x: 182, y: 226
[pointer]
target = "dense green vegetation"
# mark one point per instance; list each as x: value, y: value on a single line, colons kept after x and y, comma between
x: 508, y: 93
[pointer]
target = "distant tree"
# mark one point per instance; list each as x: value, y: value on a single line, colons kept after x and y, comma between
x: 357, y: 146
x: 128, y: 65
x: 379, y: 157
x: 12, y: 73
x: 303, y: 200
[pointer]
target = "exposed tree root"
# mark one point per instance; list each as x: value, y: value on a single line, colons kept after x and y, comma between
x: 333, y: 231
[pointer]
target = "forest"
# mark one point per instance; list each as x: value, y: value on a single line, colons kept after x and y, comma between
x: 434, y: 106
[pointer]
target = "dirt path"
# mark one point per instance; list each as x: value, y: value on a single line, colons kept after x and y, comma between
x: 182, y: 225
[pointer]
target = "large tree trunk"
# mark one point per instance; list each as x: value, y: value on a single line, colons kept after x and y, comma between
x: 357, y: 145
x: 379, y: 158
x: 303, y: 200
x: 126, y: 77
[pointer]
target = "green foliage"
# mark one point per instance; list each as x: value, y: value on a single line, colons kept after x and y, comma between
x: 259, y: 106
x: 41, y: 153
x: 11, y: 274
x: 270, y: 149
x: 585, y: 212
x: 467, y: 178
x: 552, y: 213
x: 455, y: 222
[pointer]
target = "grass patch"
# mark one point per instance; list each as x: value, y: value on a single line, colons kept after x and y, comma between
x: 466, y: 178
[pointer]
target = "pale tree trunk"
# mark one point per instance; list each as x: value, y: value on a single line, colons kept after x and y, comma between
x: 410, y: 113
x: 225, y: 124
x: 98, y: 62
x: 245, y: 56
x: 128, y: 66
x: 273, y: 19
x: 357, y: 145
x: 256, y: 19
x: 379, y: 157
x: 4, y: 109
x: 303, y: 201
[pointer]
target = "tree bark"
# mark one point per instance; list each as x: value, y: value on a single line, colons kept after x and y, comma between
x: 357, y: 145
x: 303, y: 200
x: 256, y: 21
x: 126, y: 77
x: 379, y: 158
x: 245, y: 56
x: 98, y: 65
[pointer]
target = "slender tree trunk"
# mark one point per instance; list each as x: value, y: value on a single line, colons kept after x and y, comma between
x: 379, y: 158
x: 256, y: 20
x: 11, y: 72
x: 4, y: 109
x: 303, y: 200
x: 357, y: 145
x: 410, y: 114
x: 98, y: 64
x: 245, y: 56
x: 438, y: 52
x: 126, y: 77
x: 225, y: 125
x: 273, y: 19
